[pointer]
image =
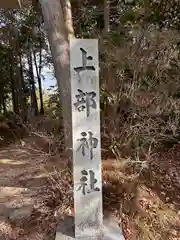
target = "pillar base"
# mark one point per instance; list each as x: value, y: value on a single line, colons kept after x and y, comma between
x: 65, y: 230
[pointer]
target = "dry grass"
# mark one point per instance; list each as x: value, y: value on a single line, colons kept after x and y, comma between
x: 144, y: 209
x: 141, y: 212
x: 144, y: 214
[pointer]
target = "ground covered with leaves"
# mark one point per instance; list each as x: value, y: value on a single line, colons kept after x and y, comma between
x: 147, y: 203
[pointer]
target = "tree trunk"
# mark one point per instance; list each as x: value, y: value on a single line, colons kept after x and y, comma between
x: 4, y: 103
x: 58, y: 39
x: 34, y: 104
x: 67, y: 12
x: 38, y: 73
x: 20, y: 82
x: 13, y: 91
x: 107, y: 74
x: 23, y: 102
x: 12, y: 54
x: 106, y: 16
x: 18, y: 87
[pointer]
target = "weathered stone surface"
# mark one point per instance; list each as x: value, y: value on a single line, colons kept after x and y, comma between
x: 65, y: 228
x: 20, y: 213
x: 84, y: 66
x: 112, y: 231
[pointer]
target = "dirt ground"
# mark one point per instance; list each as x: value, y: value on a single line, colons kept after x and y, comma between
x: 23, y: 179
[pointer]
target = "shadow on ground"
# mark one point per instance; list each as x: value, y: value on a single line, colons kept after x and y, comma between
x: 163, y: 176
x: 66, y: 226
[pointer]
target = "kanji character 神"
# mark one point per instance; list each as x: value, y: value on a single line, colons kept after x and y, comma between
x: 88, y: 143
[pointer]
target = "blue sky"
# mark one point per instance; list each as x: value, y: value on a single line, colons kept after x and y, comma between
x: 49, y: 80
